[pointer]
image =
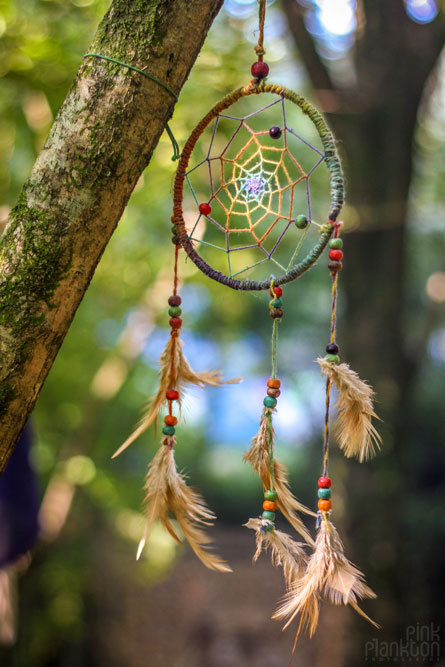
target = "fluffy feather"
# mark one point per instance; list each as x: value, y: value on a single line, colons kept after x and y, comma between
x: 328, y: 573
x: 356, y: 433
x: 166, y: 489
x: 285, y: 552
x: 258, y: 457
x: 175, y: 372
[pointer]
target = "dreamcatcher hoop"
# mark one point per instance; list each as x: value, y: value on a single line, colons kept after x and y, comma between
x: 336, y: 183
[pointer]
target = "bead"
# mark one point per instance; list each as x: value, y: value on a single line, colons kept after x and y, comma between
x: 274, y: 383
x: 260, y: 70
x: 270, y: 516
x: 174, y: 229
x: 301, y: 221
x: 324, y: 482
x: 332, y: 358
x: 269, y: 527
x: 277, y: 303
x: 269, y: 505
x: 205, y: 208
x: 336, y: 243
x: 174, y: 311
x: 276, y: 312
x: 174, y: 300
x: 335, y: 266
x: 275, y: 132
x: 270, y: 494
x: 168, y: 430
x: 170, y: 420
x: 176, y: 240
x: 175, y: 322
x: 273, y: 392
x: 325, y: 494
x: 172, y: 395
x: 278, y: 291
x: 332, y: 348
x: 324, y: 505
x: 270, y: 402
x: 336, y: 254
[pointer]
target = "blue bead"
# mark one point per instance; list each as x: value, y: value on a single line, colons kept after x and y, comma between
x: 270, y: 402
x: 168, y: 430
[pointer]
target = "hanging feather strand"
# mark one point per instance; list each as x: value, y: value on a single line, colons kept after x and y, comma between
x: 356, y: 433
x: 175, y: 372
x: 259, y: 458
x: 330, y: 574
x: 166, y: 490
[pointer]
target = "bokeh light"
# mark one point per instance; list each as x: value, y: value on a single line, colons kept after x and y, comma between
x: 422, y: 11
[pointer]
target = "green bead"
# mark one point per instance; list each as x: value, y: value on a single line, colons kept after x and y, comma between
x: 269, y: 528
x: 270, y: 516
x: 175, y: 230
x: 324, y: 493
x: 301, y: 222
x: 168, y: 430
x: 174, y: 311
x: 332, y: 358
x: 270, y: 402
x: 336, y: 243
x: 277, y: 303
x: 271, y: 494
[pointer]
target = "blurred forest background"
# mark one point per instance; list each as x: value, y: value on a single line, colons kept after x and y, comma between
x: 375, y: 69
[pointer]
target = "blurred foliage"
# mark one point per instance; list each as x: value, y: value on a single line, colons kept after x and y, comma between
x: 108, y: 363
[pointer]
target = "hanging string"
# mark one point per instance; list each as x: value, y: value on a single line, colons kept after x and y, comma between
x: 176, y: 151
x: 259, y: 48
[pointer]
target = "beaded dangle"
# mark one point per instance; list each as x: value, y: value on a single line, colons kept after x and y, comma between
x: 242, y: 205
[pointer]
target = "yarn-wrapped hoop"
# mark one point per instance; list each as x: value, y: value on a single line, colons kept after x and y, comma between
x: 335, y: 180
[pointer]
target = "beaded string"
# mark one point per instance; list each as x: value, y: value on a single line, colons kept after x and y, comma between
x: 332, y: 349
x: 176, y: 151
x: 259, y: 48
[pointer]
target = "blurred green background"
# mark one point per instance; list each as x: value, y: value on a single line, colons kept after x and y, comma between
x: 83, y: 600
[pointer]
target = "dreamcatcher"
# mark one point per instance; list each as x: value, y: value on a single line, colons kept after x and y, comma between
x: 242, y: 209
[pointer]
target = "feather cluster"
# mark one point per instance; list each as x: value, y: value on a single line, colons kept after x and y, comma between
x: 329, y: 574
x: 356, y: 434
x: 175, y: 372
x: 259, y: 458
x: 166, y: 490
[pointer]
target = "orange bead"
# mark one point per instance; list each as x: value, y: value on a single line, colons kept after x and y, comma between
x: 170, y: 420
x: 274, y: 383
x: 269, y: 505
x: 324, y: 505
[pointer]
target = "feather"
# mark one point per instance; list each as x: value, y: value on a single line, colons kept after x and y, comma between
x: 357, y: 435
x: 328, y: 573
x: 285, y: 552
x: 175, y: 372
x: 258, y: 457
x: 166, y: 490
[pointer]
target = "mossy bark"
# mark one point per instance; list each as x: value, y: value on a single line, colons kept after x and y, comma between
x: 102, y: 139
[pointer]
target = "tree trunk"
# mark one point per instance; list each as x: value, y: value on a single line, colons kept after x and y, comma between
x: 102, y: 139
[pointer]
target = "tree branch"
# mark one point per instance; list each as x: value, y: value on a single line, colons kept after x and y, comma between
x: 102, y: 139
x: 316, y: 69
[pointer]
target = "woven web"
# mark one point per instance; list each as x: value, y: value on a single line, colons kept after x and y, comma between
x: 251, y: 185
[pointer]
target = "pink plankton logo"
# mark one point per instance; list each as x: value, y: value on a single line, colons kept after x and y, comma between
x: 420, y: 644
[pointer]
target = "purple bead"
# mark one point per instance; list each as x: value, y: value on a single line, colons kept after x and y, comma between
x: 275, y: 132
x: 332, y: 348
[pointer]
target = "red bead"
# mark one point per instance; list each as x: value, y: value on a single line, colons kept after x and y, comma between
x: 172, y: 395
x: 277, y: 291
x: 175, y: 322
x: 174, y: 300
x: 260, y: 70
x: 336, y: 254
x: 170, y: 420
x: 205, y: 208
x: 324, y: 483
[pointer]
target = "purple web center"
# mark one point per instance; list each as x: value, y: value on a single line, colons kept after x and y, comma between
x: 254, y: 185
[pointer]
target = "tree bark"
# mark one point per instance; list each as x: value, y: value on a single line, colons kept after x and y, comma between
x: 102, y: 139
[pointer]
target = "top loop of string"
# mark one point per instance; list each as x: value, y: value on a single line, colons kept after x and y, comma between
x: 176, y: 151
x: 259, y: 48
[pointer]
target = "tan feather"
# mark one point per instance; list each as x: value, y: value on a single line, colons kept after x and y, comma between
x: 177, y: 374
x: 285, y: 552
x: 258, y: 457
x: 328, y: 573
x: 166, y: 490
x: 356, y: 434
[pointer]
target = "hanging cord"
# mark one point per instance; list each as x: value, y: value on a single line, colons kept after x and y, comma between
x: 259, y: 48
x: 176, y: 151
